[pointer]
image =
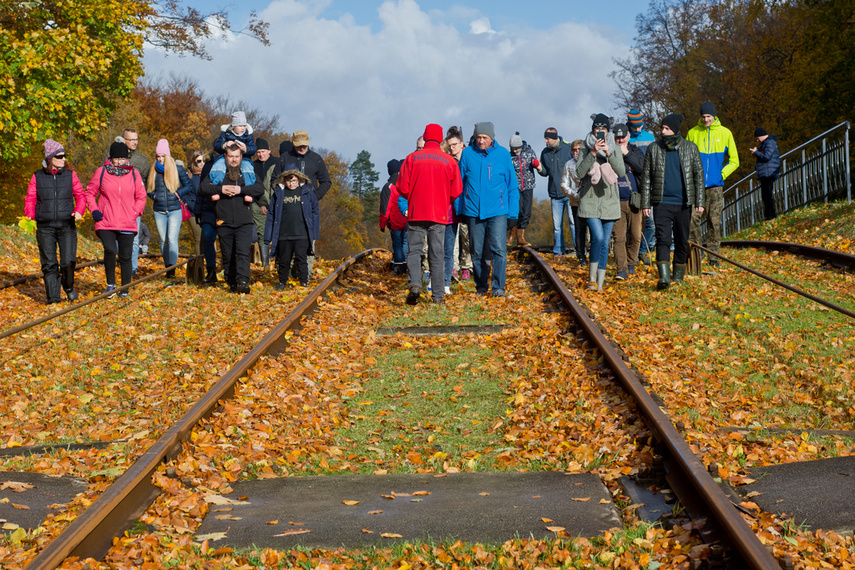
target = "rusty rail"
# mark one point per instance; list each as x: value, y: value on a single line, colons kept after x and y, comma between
x: 806, y: 250
x: 698, y: 481
x: 91, y: 534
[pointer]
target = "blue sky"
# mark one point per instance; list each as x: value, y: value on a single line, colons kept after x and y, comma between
x: 371, y: 74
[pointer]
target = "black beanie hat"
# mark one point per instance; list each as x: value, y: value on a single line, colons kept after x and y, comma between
x: 262, y: 144
x: 707, y: 108
x: 393, y: 166
x: 673, y: 122
x: 600, y: 120
x: 285, y: 147
x: 760, y: 132
x: 119, y: 150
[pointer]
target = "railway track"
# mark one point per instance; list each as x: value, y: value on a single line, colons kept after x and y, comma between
x: 91, y: 533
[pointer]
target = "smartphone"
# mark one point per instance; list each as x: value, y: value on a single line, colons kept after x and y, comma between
x: 601, y: 135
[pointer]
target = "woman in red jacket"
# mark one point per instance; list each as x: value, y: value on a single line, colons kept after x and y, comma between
x: 116, y: 197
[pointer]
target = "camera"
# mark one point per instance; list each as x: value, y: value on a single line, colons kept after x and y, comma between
x: 601, y: 135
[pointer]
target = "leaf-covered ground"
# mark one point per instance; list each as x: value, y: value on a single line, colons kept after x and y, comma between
x: 723, y: 351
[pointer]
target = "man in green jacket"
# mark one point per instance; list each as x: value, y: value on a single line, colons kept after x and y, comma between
x: 720, y: 159
x: 672, y: 185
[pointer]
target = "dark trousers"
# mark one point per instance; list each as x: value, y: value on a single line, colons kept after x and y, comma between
x: 49, y: 235
x: 525, y: 208
x: 670, y: 218
x: 767, y: 185
x: 121, y: 244
x: 235, y: 243
x: 298, y: 249
x: 209, y: 245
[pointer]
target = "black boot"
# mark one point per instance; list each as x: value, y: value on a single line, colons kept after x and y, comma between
x: 679, y: 272
x: 664, y: 275
x: 210, y: 278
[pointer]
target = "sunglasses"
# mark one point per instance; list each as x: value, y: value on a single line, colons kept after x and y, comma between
x: 199, y: 161
x: 59, y: 156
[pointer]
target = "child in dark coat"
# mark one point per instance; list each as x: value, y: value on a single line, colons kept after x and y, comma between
x: 293, y: 223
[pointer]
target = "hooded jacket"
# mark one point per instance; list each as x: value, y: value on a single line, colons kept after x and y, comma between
x: 54, y: 196
x: 652, y: 183
x: 768, y: 158
x: 524, y: 168
x: 490, y: 186
x: 718, y: 151
x: 228, y: 135
x: 121, y: 199
x: 311, y: 216
x: 429, y: 180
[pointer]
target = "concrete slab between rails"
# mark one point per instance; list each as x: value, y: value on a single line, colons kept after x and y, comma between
x: 817, y: 493
x: 47, y: 495
x: 473, y: 507
x: 440, y: 331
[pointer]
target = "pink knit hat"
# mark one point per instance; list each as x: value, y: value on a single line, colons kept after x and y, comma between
x: 162, y: 147
x: 52, y: 148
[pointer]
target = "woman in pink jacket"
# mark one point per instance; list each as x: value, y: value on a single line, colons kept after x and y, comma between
x: 116, y: 197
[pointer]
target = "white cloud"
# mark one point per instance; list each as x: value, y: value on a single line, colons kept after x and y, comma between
x: 353, y: 88
x: 481, y: 26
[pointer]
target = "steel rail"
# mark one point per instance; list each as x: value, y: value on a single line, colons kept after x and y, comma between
x: 836, y: 258
x: 814, y: 298
x: 735, y: 529
x: 91, y: 534
x: 81, y: 304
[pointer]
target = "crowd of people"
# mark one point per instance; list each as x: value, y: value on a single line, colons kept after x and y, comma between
x: 617, y: 187
x: 223, y: 195
x: 452, y: 207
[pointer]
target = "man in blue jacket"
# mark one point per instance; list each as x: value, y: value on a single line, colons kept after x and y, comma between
x: 490, y: 196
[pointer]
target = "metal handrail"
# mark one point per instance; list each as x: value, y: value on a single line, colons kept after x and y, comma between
x: 809, y: 172
x: 844, y: 124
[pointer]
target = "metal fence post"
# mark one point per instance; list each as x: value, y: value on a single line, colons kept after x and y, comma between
x: 824, y: 172
x: 846, y: 155
x: 804, y: 180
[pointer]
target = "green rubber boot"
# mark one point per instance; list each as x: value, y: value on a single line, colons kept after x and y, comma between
x: 664, y: 275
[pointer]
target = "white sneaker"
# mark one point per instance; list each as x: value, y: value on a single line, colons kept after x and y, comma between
x: 448, y: 290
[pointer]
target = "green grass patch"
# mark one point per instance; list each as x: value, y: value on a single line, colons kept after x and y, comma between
x: 427, y: 314
x: 434, y: 403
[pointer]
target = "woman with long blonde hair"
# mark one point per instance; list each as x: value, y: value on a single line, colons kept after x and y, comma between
x: 168, y: 186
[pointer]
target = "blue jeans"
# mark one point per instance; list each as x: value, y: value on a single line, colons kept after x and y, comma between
x: 209, y: 245
x: 135, y: 254
x: 399, y: 246
x: 450, y: 238
x: 168, y: 227
x: 489, y: 235
x: 560, y: 209
x: 601, y: 232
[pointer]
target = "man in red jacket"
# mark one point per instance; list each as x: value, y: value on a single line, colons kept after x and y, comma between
x: 429, y: 180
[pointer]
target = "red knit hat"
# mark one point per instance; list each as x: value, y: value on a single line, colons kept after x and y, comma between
x: 433, y: 132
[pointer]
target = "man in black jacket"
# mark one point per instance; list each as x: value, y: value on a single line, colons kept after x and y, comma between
x: 235, y: 226
x: 262, y: 163
x: 672, y: 185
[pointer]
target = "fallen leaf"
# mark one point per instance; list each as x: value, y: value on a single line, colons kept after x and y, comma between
x: 390, y: 535
x: 15, y: 486
x: 484, y: 494
x: 366, y: 531
x: 374, y: 512
x: 546, y: 520
x: 555, y: 528
x: 21, y: 507
x: 211, y: 536
x: 581, y: 500
x: 273, y: 522
x: 293, y: 531
x: 351, y: 503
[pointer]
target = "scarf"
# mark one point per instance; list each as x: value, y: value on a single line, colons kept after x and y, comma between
x: 670, y: 142
x: 118, y: 170
x: 159, y: 167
